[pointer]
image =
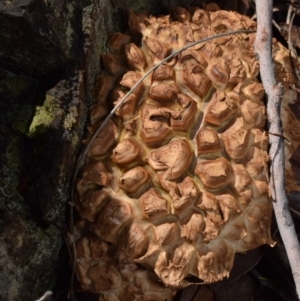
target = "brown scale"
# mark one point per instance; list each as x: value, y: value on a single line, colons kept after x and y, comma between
x: 176, y: 183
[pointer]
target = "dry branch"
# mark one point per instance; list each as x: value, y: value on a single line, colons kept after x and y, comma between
x: 274, y: 92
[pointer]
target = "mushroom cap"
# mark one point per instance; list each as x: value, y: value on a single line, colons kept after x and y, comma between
x: 177, y: 183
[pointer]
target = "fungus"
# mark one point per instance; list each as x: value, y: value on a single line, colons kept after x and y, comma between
x: 207, y: 141
x: 164, y: 91
x: 125, y: 152
x: 195, y: 78
x: 116, y: 42
x: 214, y: 173
x: 104, y: 140
x: 135, y: 56
x: 176, y: 182
x: 154, y: 205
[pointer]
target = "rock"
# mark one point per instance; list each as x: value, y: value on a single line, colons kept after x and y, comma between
x: 43, y: 106
x: 28, y: 251
x: 40, y: 34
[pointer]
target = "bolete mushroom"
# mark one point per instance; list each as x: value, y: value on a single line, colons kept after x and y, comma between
x: 176, y: 183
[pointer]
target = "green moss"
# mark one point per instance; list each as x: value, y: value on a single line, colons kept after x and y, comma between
x: 43, y: 117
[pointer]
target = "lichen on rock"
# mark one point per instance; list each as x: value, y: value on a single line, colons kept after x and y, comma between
x: 43, y: 117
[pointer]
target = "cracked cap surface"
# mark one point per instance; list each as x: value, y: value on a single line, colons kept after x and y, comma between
x: 177, y: 181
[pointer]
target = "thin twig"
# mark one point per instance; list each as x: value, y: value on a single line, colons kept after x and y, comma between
x: 255, y: 16
x: 279, y: 135
x: 297, y: 213
x: 3, y: 190
x: 274, y: 92
x: 273, y: 21
x: 290, y: 32
x: 45, y: 296
x: 276, y: 25
x: 289, y: 14
x: 3, y: 82
x: 293, y: 87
